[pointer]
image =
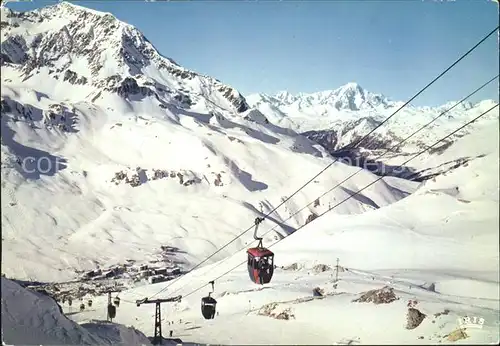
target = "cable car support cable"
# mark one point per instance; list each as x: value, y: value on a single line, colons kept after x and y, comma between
x: 355, y: 173
x: 357, y: 192
x: 356, y: 143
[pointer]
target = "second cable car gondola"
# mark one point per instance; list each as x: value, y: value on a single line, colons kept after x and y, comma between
x: 260, y: 260
x: 208, y: 305
x: 111, y: 311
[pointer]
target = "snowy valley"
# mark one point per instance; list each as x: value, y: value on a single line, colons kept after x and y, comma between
x: 122, y: 170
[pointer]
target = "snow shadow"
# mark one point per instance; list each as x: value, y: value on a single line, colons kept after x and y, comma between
x: 281, y: 130
x: 361, y: 198
x: 178, y: 111
x: 429, y: 173
x: 39, y: 95
x: 228, y: 124
x: 250, y: 184
x: 397, y: 192
x: 31, y: 163
x: 203, y: 118
x: 171, y: 250
x: 143, y: 178
x: 244, y: 177
x: 261, y: 136
x: 288, y: 229
x: 303, y: 145
x: 215, y: 129
x: 59, y: 117
x: 208, y: 120
x: 26, y: 113
x: 376, y: 167
x: 453, y: 191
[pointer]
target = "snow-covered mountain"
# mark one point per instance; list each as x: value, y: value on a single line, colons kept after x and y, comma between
x: 32, y: 318
x: 339, y: 117
x: 111, y: 151
x: 93, y: 50
x: 351, y: 97
x: 432, y: 255
x: 115, y: 157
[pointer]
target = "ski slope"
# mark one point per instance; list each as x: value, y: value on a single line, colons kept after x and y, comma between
x: 64, y: 143
x: 201, y: 164
x: 435, y: 247
x: 90, y: 220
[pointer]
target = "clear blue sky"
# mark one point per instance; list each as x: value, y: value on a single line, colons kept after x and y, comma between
x: 390, y: 47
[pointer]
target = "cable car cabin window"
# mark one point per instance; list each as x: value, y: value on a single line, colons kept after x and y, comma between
x: 255, y: 263
x: 265, y: 262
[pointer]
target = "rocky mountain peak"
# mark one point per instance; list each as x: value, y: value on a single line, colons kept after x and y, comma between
x: 351, y: 97
x: 92, y: 47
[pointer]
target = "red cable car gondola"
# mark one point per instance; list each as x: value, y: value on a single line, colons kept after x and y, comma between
x: 260, y: 260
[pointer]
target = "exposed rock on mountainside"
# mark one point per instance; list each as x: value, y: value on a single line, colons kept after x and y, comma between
x: 414, y: 318
x: 140, y: 176
x: 69, y: 35
x: 132, y: 149
x: 383, y: 295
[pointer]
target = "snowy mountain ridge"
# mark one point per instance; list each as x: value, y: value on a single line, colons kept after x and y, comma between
x: 350, y: 96
x: 135, y: 156
x: 116, y: 168
x: 93, y: 49
x: 339, y: 117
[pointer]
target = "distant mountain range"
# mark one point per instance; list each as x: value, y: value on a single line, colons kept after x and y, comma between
x: 335, y: 118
